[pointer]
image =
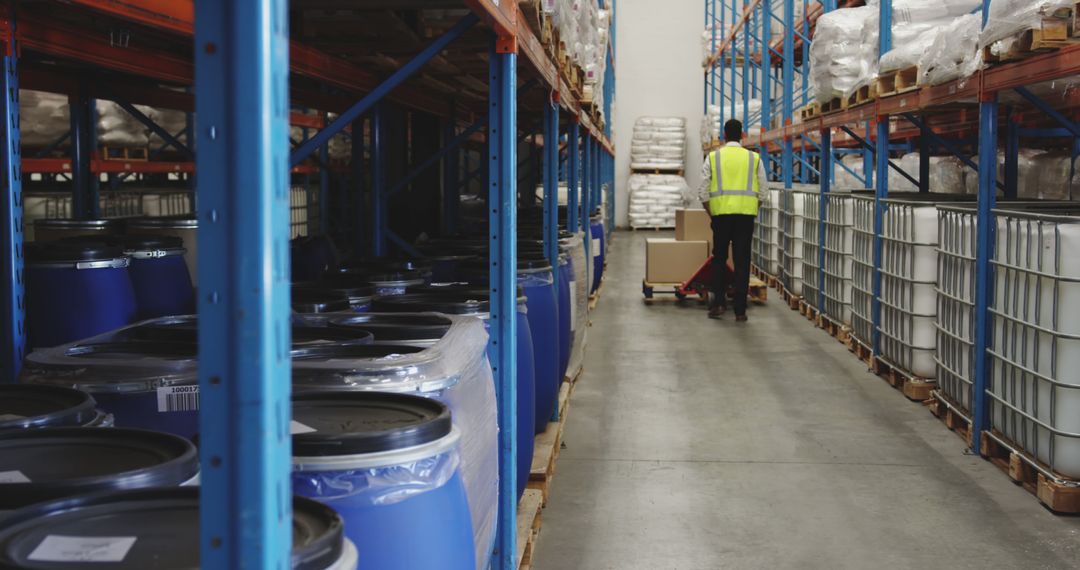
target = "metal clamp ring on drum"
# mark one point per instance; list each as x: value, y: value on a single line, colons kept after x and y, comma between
x: 153, y: 253
x: 117, y: 263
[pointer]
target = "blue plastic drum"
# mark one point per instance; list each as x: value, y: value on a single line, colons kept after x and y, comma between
x: 143, y: 384
x: 319, y: 300
x: 596, y: 227
x: 26, y: 407
x: 357, y: 290
x: 312, y: 257
x: 534, y: 276
x: 156, y: 528
x: 159, y: 275
x: 46, y: 464
x: 566, y: 336
x: 393, y: 477
x: 76, y: 290
x: 474, y: 301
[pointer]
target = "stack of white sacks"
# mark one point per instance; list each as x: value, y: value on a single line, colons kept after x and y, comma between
x: 45, y: 117
x: 712, y: 126
x: 932, y: 34
x: 584, y: 27
x: 1041, y: 175
x: 659, y: 143
x: 942, y: 38
x: 654, y: 199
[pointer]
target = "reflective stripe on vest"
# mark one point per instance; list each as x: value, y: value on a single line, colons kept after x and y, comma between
x: 730, y: 199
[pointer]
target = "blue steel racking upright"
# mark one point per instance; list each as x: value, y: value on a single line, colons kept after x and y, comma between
x: 245, y: 69
x: 952, y: 118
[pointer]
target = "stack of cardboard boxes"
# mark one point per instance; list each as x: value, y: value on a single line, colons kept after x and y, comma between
x: 676, y: 260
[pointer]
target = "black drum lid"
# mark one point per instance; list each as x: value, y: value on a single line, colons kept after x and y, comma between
x: 159, y: 528
x: 28, y: 406
x: 49, y: 464
x: 351, y: 423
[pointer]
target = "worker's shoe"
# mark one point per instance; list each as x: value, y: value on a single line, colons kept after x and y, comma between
x: 740, y: 318
x: 715, y: 312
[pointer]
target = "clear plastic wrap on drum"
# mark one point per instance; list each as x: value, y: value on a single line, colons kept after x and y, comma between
x: 453, y: 370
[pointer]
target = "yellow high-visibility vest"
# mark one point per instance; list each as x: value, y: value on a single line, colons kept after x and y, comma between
x: 735, y: 184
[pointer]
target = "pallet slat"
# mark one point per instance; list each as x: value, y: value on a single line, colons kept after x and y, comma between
x: 1058, y: 496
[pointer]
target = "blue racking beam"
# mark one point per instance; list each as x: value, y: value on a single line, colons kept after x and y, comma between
x: 551, y: 203
x: 881, y: 192
x: 984, y: 252
x: 160, y: 131
x: 824, y: 182
x: 324, y: 189
x: 451, y: 146
x: 12, y: 292
x: 241, y: 62
x: 396, y: 79
x: 788, y: 107
x: 451, y: 190
x: 502, y: 217
x: 84, y: 200
x: 359, y: 185
x: 379, y: 212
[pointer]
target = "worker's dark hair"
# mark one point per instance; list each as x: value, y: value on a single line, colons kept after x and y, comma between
x: 733, y: 131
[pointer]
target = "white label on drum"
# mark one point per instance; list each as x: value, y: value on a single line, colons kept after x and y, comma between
x: 296, y: 427
x: 13, y: 477
x: 178, y: 399
x: 59, y: 548
x: 573, y: 305
x: 596, y: 247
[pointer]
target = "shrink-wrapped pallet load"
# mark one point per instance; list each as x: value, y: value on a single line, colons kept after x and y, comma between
x: 654, y: 198
x: 659, y: 143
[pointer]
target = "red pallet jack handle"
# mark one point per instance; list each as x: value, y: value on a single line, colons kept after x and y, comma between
x: 701, y: 282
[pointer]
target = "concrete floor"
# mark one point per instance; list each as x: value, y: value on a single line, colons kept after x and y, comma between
x: 696, y: 444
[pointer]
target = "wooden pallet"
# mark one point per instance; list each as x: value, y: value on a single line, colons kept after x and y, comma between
x: 945, y: 410
x: 758, y: 292
x: 895, y: 82
x: 913, y: 387
x: 809, y: 311
x: 650, y: 291
x: 769, y: 280
x: 1061, y: 495
x: 547, y: 447
x: 528, y: 526
x: 791, y: 300
x: 141, y: 154
x: 861, y: 96
x: 834, y: 105
x: 810, y: 112
x: 860, y: 349
x: 594, y: 299
x: 1052, y: 33
x: 836, y: 329
x: 572, y: 376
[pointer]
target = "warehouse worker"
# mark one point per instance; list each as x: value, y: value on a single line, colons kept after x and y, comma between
x: 731, y: 181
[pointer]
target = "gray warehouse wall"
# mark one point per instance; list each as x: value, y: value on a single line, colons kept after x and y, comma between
x: 659, y: 73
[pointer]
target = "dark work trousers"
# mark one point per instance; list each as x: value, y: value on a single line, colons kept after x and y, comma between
x: 738, y: 231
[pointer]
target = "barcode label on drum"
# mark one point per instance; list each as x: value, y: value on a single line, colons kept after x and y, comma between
x: 178, y: 399
x: 596, y: 247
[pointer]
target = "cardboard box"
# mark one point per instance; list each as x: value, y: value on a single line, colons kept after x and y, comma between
x: 693, y: 225
x: 673, y: 261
